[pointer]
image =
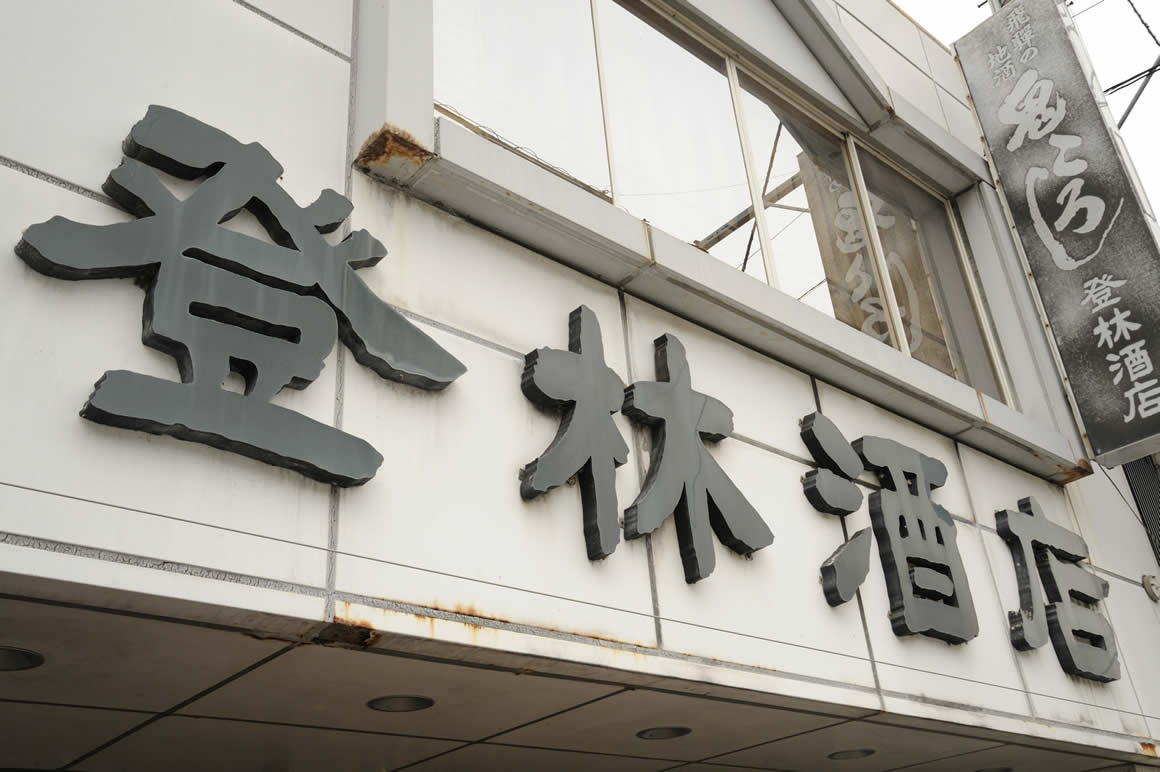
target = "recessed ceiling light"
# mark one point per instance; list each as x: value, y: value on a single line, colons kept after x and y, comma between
x: 400, y: 703
x: 856, y: 753
x: 663, y: 732
x: 12, y: 658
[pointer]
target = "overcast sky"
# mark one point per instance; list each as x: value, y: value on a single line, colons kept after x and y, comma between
x: 1119, y: 46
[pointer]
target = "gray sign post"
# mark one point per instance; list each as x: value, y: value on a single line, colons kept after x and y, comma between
x: 1090, y: 247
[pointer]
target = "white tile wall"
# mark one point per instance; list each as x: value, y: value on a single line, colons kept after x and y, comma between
x: 767, y: 610
x: 448, y: 270
x: 66, y: 335
x: 890, y: 24
x: 943, y: 67
x: 1110, y: 524
x: 905, y: 74
x: 447, y: 500
x: 980, y: 673
x: 1054, y: 694
x: 219, y: 62
x: 858, y: 418
x: 961, y: 121
x: 327, y: 21
x: 766, y: 406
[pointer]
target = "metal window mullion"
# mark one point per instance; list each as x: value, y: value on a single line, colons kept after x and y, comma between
x: 603, y: 102
x: 877, y: 253
x: 752, y: 176
x: 985, y: 323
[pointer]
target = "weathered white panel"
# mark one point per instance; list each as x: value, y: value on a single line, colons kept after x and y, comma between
x: 327, y: 21
x: 1054, y: 694
x: 769, y: 610
x: 1136, y: 620
x: 891, y: 24
x: 767, y: 398
x: 980, y: 673
x: 1110, y: 524
x: 858, y: 418
x: 995, y: 485
x: 74, y: 521
x: 447, y: 501
x: 161, y: 588
x: 95, y: 76
x: 65, y: 335
x: 446, y: 269
x: 961, y: 121
x: 901, y: 73
x: 943, y: 68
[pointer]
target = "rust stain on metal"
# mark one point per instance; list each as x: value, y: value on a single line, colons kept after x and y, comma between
x: 1082, y: 469
x: 353, y: 632
x: 1149, y: 749
x: 390, y: 143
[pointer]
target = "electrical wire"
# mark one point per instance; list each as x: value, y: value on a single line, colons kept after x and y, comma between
x: 1085, y: 10
x: 1141, y: 18
x: 1133, y: 79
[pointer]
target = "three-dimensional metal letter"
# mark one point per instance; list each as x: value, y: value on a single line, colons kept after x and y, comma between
x: 587, y: 445
x: 683, y: 479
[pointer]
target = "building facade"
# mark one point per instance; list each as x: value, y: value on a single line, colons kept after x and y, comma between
x: 504, y: 435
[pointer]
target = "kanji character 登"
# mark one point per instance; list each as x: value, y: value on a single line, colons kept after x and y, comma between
x: 830, y: 489
x: 683, y: 479
x: 1110, y: 331
x: 1047, y: 560
x: 925, y: 579
x: 587, y: 445
x: 218, y: 300
x: 1098, y: 291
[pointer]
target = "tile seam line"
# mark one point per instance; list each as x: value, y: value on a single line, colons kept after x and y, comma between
x: 650, y: 558
x: 188, y: 701
x: 292, y: 29
x: 249, y: 580
x: 1005, y: 714
x: 515, y: 728
x: 334, y: 500
x: 994, y: 583
x: 171, y: 566
x: 579, y: 638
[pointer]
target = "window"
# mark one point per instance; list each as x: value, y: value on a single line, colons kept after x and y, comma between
x: 676, y: 154
x: 653, y: 114
x: 525, y: 71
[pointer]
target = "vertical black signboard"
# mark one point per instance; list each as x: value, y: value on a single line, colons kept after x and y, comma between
x: 1090, y: 247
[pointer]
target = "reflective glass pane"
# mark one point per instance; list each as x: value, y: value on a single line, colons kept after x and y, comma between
x: 941, y: 325
x: 525, y: 70
x: 676, y: 154
x: 817, y: 240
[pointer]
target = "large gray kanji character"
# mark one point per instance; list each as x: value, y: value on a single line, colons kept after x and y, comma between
x: 683, y: 479
x: 587, y: 445
x: 925, y: 579
x: 1048, y: 563
x: 220, y: 301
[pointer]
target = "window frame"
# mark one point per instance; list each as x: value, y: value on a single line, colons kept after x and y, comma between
x: 504, y: 192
